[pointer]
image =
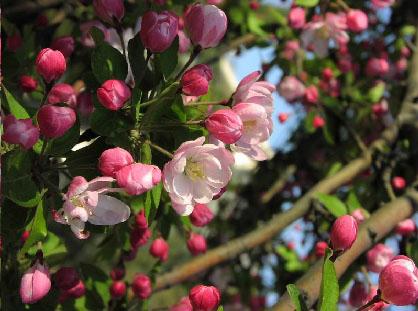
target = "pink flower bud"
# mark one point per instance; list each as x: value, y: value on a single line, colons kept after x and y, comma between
x: 377, y: 67
x: 254, y: 5
x: 117, y: 289
x: 21, y: 132
x: 195, y: 81
x: 311, y: 95
x: 55, y: 121
x: 196, y: 244
x: 85, y: 104
x: 357, y: 20
x: 141, y: 286
x: 206, y: 25
x: 380, y: 109
x: 405, y: 52
x: 291, y: 89
x: 360, y: 294
x: 184, y: 42
x: 343, y: 233
x: 258, y: 303
x: 358, y: 214
x: 406, y: 227
x: 183, y: 305
x: 76, y: 291
x: 378, y: 257
x: 158, y: 30
x: 296, y: 18
x: 14, y: 42
x: 283, y: 117
x: 204, y: 298
x: 113, y: 94
x: 141, y: 221
x: 62, y: 93
x: 109, y: 10
x: 64, y: 44
x: 35, y: 283
x: 139, y: 237
x: 401, y: 65
x: 398, y: 182
x: 398, y: 282
x: 112, y: 160
x: 159, y: 249
x: 66, y: 278
x: 290, y: 49
x: 327, y: 74
x: 225, y: 125
x: 138, y: 178
x: 50, y: 64
x: 28, y: 83
x: 117, y: 273
x: 320, y: 248
x: 201, y: 215
x: 318, y: 122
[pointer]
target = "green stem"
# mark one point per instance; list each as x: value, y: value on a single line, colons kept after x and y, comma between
x: 196, y: 51
x: 160, y: 149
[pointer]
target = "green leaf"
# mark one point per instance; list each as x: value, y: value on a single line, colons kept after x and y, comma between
x: 146, y: 155
x: 152, y: 201
x: 62, y: 145
x: 108, y: 63
x: 335, y: 167
x: 97, y: 35
x: 376, y: 92
x: 296, y: 297
x: 407, y: 30
x: 167, y: 60
x: 309, y: 122
x: 106, y: 122
x: 307, y: 3
x: 136, y: 58
x: 13, y: 105
x: 17, y: 183
x: 38, y: 230
x: 352, y: 201
x: 333, y: 204
x: 254, y: 24
x: 330, y: 292
x: 220, y: 308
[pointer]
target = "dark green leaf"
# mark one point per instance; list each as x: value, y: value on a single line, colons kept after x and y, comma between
x: 105, y: 122
x: 136, y: 58
x: 61, y: 145
x: 330, y: 292
x: 168, y: 59
x: 38, y: 230
x: 296, y: 297
x: 108, y: 63
x: 97, y: 35
x: 152, y: 201
x: 13, y: 105
x: 333, y: 204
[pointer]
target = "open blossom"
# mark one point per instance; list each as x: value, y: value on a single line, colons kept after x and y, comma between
x: 250, y: 90
x: 257, y: 128
x: 21, y: 132
x: 292, y: 89
x: 196, y: 173
x: 319, y: 32
x: 87, y: 201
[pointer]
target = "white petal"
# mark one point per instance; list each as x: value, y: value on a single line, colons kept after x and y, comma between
x: 202, y: 193
x: 109, y: 211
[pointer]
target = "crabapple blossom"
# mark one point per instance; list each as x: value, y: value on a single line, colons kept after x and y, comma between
x: 196, y: 244
x: 184, y: 42
x: 86, y: 38
x: 318, y: 122
x: 201, y: 215
x: 112, y: 160
x: 257, y: 128
x: 65, y: 45
x: 361, y: 293
x: 183, y: 305
x: 158, y: 30
x: 292, y: 89
x: 406, y: 227
x: 35, y: 283
x: 85, y: 104
x: 87, y: 201
x: 343, y: 233
x: 206, y: 25
x: 378, y: 257
x: 377, y: 67
x: 55, y: 121
x: 50, y: 64
x: 141, y: 286
x: 159, y: 249
x: 225, y: 125
x: 204, y: 298
x: 195, y: 81
x: 138, y: 178
x: 28, y: 83
x: 311, y: 95
x: 290, y: 49
x: 19, y: 131
x: 320, y: 248
x: 398, y: 182
x: 296, y: 18
x: 357, y: 20
x: 109, y: 10
x: 117, y: 289
x: 113, y: 94
x: 196, y: 173
x: 62, y: 93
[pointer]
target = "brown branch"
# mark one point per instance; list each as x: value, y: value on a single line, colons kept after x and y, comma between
x: 382, y: 222
x: 278, y: 185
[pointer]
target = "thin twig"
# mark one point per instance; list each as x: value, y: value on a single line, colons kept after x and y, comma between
x: 160, y: 149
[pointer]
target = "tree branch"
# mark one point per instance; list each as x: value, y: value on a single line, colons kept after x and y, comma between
x: 382, y: 222
x: 278, y: 185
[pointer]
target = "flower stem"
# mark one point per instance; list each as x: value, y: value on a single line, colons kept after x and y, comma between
x: 160, y: 149
x: 197, y: 49
x: 221, y: 102
x: 371, y: 302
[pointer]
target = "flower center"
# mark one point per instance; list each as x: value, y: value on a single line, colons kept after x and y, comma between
x: 323, y: 32
x: 249, y: 124
x: 194, y: 170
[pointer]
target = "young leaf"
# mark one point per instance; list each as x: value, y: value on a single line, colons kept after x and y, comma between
x: 136, y: 58
x: 61, y: 145
x: 13, y: 105
x: 376, y: 92
x: 296, y: 297
x: 330, y: 292
x: 108, y: 63
x: 307, y: 3
x: 352, y: 201
x: 38, y: 229
x: 152, y: 201
x: 333, y: 204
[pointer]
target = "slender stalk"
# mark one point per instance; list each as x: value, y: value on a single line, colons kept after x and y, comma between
x: 220, y: 102
x: 160, y: 149
x: 375, y: 299
x: 196, y: 51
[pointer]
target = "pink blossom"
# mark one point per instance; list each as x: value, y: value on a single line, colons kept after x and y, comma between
x: 138, y: 178
x: 85, y: 104
x: 311, y: 95
x: 360, y: 294
x: 377, y: 67
x: 201, y: 215
x: 109, y: 10
x: 357, y: 20
x: 184, y: 42
x: 21, y: 132
x: 183, y: 305
x: 250, y: 90
x: 28, y: 83
x: 159, y: 249
x: 142, y: 286
x: 117, y: 289
x: 54, y: 121
x: 406, y: 227
x: 64, y: 44
x: 196, y: 244
x: 380, y: 4
x: 195, y: 81
x: 225, y: 125
x: 257, y: 128
x: 319, y: 32
x: 86, y: 201
x: 343, y: 233
x: 62, y: 93
x: 113, y: 94
x: 35, y: 283
x: 292, y: 89
x: 378, y: 257
x: 204, y: 298
x: 296, y: 18
x: 358, y: 214
x: 290, y: 49
x: 112, y: 160
x: 50, y: 64
x: 196, y: 173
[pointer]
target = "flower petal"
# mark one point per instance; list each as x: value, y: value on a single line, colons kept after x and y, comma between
x: 109, y: 211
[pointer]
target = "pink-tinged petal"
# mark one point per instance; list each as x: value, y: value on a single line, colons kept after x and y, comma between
x: 253, y: 151
x: 99, y: 183
x: 182, y: 186
x: 78, y: 185
x: 58, y: 216
x: 202, y: 193
x: 248, y: 80
x: 109, y: 211
x: 77, y: 212
x: 92, y: 198
x: 190, y: 144
x: 182, y: 209
x: 35, y: 283
x: 77, y: 227
x: 179, y: 165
